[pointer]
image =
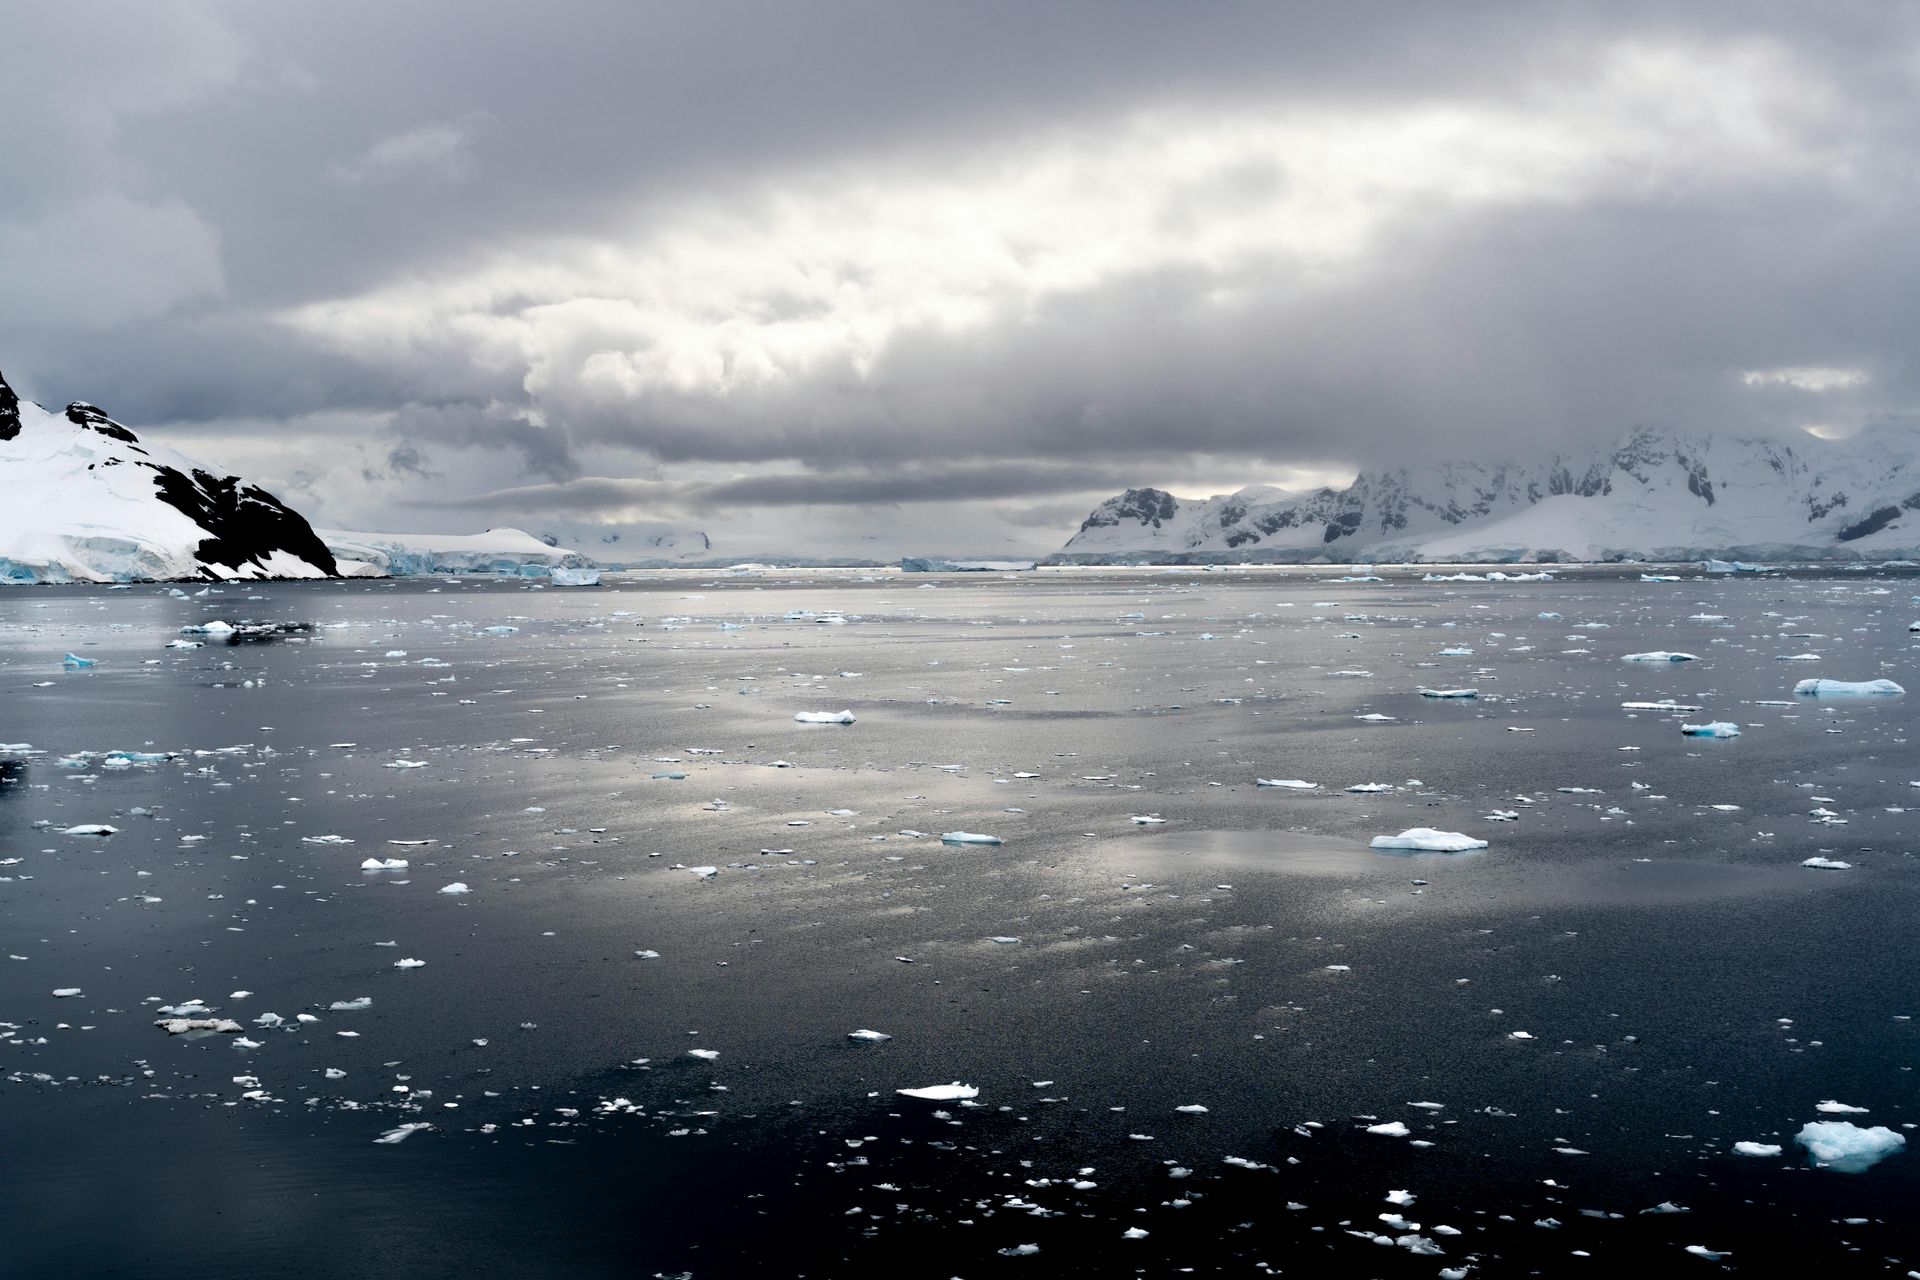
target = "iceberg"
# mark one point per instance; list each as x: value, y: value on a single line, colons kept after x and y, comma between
x: 823, y: 717
x: 969, y: 837
x: 1714, y: 729
x: 1449, y: 693
x: 955, y: 1092
x: 1288, y: 784
x: 1845, y: 1147
x: 1660, y: 655
x: 1846, y: 688
x: 75, y: 661
x: 1427, y: 840
x: 936, y: 564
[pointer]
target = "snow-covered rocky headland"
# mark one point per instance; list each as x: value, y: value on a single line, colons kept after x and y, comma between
x: 88, y: 501
x: 1653, y: 496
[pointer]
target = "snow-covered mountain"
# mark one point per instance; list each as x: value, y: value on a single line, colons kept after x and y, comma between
x: 1655, y: 495
x: 83, y: 499
x: 627, y: 546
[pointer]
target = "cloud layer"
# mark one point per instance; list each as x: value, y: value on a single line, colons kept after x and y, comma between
x: 893, y: 277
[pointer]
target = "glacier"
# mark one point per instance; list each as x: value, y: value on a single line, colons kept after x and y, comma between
x: 511, y: 552
x: 1653, y: 495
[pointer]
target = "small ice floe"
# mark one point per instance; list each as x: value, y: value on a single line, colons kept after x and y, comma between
x: 1659, y: 655
x: 1020, y: 1251
x: 1287, y: 784
x: 704, y: 873
x: 1819, y: 863
x: 402, y: 1133
x: 1427, y: 840
x: 870, y: 1037
x: 1147, y: 820
x: 1711, y: 1255
x: 969, y: 837
x: 89, y: 829
x: 1832, y: 1108
x: 1845, y: 1147
x: 181, y: 1026
x: 1756, y: 1148
x: 705, y: 1055
x: 955, y: 1092
x: 1665, y: 704
x: 74, y: 661
x: 1005, y: 940
x: 351, y: 1006
x: 1192, y: 1109
x: 823, y: 717
x: 326, y: 840
x: 1457, y: 651
x: 1846, y: 688
x: 214, y: 628
x: 1712, y: 729
x: 1796, y: 657
x: 458, y: 886
x: 384, y: 864
x: 1449, y: 693
x: 1369, y: 788
x: 65, y: 993
x: 409, y: 964
x: 1390, y: 1129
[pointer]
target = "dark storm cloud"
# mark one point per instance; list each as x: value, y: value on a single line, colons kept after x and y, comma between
x: 602, y: 496
x: 885, y: 253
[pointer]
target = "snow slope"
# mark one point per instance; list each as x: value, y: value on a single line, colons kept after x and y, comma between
x: 85, y: 500
x: 399, y: 555
x: 1654, y: 495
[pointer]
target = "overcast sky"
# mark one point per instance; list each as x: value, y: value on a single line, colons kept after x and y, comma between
x: 896, y: 277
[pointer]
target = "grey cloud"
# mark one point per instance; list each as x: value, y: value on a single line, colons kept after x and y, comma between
x: 214, y: 167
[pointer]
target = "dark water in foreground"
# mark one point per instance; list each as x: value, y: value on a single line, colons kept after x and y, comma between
x: 1683, y: 983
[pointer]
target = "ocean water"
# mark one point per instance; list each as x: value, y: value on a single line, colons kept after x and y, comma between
x: 1635, y: 975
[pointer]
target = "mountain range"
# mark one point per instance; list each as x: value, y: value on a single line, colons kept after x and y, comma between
x: 1653, y: 495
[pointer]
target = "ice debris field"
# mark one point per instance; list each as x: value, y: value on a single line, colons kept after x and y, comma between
x: 1288, y: 921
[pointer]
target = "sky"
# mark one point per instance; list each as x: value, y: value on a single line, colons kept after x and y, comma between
x: 892, y: 277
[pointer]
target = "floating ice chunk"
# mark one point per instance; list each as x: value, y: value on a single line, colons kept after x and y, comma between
x: 562, y: 576
x: 1147, y: 820
x: 1401, y: 1198
x: 707, y: 1055
x: 969, y: 837
x: 1832, y: 1108
x: 402, y: 1133
x: 1369, y: 788
x: 326, y: 840
x: 1391, y: 1129
x: 824, y: 717
x: 955, y: 1092
x: 871, y: 1037
x: 1192, y: 1109
x: 1134, y: 1233
x: 1665, y: 704
x: 89, y: 829
x: 1700, y: 1250
x: 1819, y: 863
x: 75, y: 661
x: 409, y: 964
x: 458, y: 886
x: 384, y: 864
x: 350, y: 1006
x: 1020, y: 1251
x: 704, y: 873
x: 1845, y: 1147
x: 1427, y: 840
x: 1712, y: 729
x: 1659, y: 655
x: 1756, y: 1148
x: 214, y: 628
x: 1288, y: 784
x: 1845, y: 688
x: 181, y: 1026
x: 1796, y: 657
x: 65, y: 993
x: 1449, y: 693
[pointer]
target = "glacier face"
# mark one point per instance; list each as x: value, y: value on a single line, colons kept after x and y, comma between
x: 87, y: 501
x: 513, y: 552
x: 1654, y: 495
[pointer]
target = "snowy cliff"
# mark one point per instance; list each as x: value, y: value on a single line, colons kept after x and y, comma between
x: 85, y: 500
x: 1655, y: 495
